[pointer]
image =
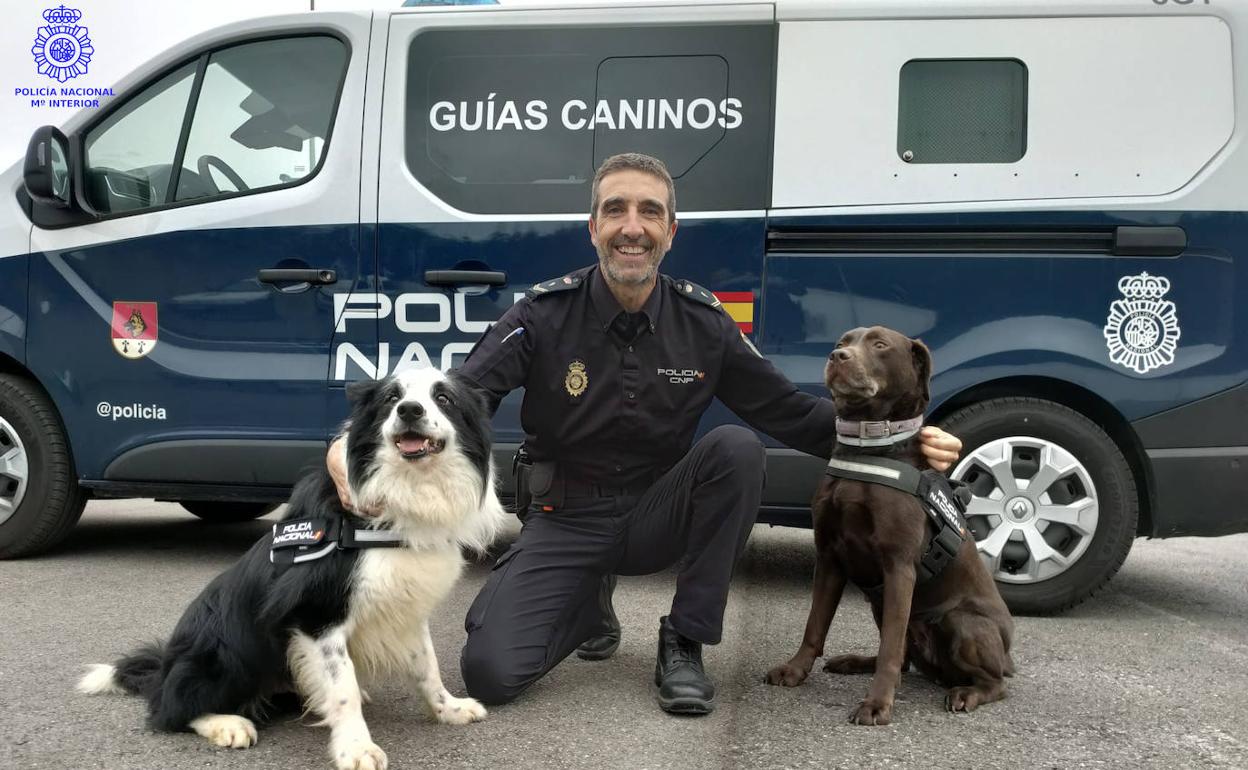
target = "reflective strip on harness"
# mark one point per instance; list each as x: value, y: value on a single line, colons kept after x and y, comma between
x: 301, y: 540
x: 943, y: 506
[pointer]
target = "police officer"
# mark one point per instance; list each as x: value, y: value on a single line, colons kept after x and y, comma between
x: 618, y: 363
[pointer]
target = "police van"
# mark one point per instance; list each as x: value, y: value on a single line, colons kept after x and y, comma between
x: 1050, y: 194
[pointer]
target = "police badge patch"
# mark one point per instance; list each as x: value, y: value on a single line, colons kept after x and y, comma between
x: 576, y: 380
x: 1142, y: 330
x: 134, y: 328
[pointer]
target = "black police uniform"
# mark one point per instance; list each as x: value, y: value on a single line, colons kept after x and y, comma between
x: 611, y: 404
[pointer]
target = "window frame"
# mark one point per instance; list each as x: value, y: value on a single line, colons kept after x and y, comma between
x: 200, y: 57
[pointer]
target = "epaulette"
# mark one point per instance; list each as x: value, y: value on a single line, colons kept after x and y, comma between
x: 552, y: 286
x: 690, y: 290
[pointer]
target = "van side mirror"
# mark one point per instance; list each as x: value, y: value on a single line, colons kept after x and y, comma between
x: 46, y: 170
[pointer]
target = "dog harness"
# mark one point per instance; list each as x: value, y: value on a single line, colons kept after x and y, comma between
x: 944, y: 502
x: 298, y: 540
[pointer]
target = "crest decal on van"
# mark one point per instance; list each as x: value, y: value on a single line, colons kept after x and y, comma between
x: 62, y: 49
x: 134, y: 328
x: 1142, y: 331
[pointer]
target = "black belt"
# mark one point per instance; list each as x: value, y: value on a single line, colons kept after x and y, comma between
x: 580, y: 488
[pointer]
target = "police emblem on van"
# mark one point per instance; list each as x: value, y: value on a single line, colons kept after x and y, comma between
x: 1142, y: 331
x: 134, y: 328
x: 577, y: 380
x: 62, y: 49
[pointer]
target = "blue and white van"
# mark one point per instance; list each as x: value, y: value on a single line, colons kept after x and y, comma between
x: 1051, y: 194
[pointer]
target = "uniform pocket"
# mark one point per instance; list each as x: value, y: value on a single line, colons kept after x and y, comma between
x: 481, y: 605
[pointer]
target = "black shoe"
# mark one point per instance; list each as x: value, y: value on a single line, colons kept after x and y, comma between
x: 606, y: 640
x: 683, y: 685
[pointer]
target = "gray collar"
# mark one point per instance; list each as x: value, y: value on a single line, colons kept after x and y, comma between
x: 876, y: 432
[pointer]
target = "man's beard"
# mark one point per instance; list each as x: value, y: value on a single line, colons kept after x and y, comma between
x: 619, y: 276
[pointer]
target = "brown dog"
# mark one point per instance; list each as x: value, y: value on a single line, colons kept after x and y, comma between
x: 954, y: 627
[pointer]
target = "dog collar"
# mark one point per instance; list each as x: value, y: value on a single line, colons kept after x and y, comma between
x: 298, y: 540
x: 876, y: 432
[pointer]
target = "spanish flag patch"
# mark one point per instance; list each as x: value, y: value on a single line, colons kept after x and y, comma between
x: 740, y: 307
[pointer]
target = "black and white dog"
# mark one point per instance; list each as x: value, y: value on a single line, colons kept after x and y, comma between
x: 319, y: 618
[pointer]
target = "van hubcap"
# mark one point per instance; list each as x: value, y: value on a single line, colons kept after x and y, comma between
x: 1035, y: 507
x: 13, y: 470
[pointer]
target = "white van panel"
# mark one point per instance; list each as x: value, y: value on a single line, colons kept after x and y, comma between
x: 1120, y: 107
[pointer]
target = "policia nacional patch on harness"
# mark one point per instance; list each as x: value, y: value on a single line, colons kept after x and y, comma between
x: 298, y: 540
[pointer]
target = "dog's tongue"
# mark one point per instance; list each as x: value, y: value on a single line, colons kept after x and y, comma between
x: 412, y: 443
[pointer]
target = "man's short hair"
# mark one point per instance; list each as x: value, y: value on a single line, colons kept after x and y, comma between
x: 637, y: 162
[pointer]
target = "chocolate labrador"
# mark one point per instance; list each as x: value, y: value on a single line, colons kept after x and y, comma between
x: 954, y: 626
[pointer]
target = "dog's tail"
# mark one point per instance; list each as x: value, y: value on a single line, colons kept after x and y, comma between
x: 137, y: 673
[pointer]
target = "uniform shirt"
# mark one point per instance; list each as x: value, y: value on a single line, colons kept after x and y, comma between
x: 614, y: 397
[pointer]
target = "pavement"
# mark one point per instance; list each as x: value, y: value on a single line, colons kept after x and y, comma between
x: 1149, y: 673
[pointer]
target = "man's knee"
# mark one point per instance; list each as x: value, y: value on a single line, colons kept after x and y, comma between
x: 490, y: 675
x: 737, y: 447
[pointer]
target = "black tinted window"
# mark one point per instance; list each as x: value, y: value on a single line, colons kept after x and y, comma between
x: 516, y: 121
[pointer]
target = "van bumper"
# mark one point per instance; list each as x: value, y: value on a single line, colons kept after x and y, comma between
x: 1199, y: 491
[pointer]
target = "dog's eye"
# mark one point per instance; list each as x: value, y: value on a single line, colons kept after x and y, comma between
x: 443, y: 399
x: 390, y: 399
x: 880, y: 344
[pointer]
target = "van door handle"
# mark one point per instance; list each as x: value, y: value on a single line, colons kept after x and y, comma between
x: 465, y: 278
x: 312, y: 275
x: 1144, y: 241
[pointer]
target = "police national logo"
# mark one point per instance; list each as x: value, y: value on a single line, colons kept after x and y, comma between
x: 62, y: 49
x: 576, y: 380
x: 134, y: 328
x: 1142, y: 331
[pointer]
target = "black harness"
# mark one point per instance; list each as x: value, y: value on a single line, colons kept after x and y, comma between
x: 298, y: 540
x: 944, y: 502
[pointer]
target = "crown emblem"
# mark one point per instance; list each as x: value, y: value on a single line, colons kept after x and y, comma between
x: 1143, y: 286
x: 62, y: 15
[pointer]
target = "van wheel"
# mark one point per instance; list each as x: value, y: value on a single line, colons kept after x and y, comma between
x: 225, y: 512
x: 1055, y: 507
x: 40, y: 500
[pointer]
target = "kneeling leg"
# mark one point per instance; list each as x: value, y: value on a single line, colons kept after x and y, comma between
x: 979, y: 658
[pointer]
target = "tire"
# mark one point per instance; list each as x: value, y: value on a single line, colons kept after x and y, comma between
x: 226, y: 512
x: 1051, y: 548
x: 40, y: 500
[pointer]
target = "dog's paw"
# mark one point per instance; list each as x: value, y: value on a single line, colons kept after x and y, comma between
x: 360, y: 755
x: 460, y: 711
x: 228, y: 731
x: 787, y: 675
x: 871, y: 713
x: 962, y: 699
x: 850, y: 664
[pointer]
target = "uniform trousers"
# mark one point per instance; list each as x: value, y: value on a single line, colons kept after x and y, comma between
x: 541, y: 600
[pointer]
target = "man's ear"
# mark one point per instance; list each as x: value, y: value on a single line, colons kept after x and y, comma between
x: 362, y: 390
x: 922, y: 368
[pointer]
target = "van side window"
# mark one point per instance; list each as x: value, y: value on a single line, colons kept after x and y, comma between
x: 962, y: 111
x: 516, y: 121
x: 262, y: 117
x: 129, y: 156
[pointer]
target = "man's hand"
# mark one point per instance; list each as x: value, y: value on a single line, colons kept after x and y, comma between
x: 941, y: 449
x: 336, y: 462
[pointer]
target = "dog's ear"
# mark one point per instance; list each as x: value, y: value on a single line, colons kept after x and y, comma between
x: 362, y: 390
x: 922, y: 368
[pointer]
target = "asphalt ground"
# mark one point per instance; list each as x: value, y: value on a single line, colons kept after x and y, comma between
x: 1149, y: 673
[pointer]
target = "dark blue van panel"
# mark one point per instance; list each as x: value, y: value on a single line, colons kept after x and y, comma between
x: 13, y: 307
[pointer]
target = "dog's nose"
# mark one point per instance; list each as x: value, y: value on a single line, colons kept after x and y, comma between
x: 839, y: 354
x: 411, y: 410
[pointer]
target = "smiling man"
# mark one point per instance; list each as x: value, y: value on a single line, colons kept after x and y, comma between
x: 618, y: 485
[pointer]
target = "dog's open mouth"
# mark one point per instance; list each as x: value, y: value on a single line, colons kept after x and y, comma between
x: 413, y: 446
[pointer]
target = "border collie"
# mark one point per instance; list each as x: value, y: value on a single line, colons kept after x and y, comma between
x: 317, y: 619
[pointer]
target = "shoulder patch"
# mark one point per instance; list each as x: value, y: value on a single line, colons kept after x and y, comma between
x: 552, y: 286
x: 690, y: 290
